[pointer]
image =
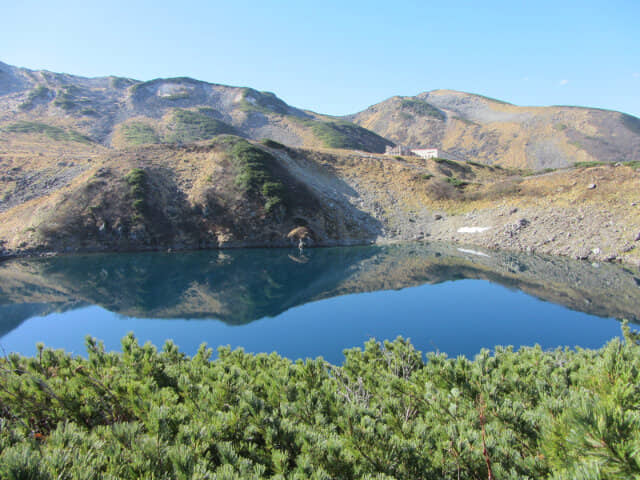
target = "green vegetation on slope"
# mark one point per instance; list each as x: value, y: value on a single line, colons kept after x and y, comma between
x: 263, y: 102
x: 255, y: 174
x: 462, y: 167
x: 420, y: 107
x: 347, y: 135
x: 188, y: 126
x: 137, y: 181
x: 456, y: 182
x: 55, y: 133
x: 66, y: 97
x: 588, y: 164
x: 38, y: 93
x: 385, y: 413
x: 267, y: 142
x: 138, y: 133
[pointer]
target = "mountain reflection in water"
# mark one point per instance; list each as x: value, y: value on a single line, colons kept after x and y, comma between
x: 241, y: 286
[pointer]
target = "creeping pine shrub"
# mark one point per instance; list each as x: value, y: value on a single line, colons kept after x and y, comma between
x: 138, y: 133
x: 255, y: 167
x: 456, y: 182
x: 137, y: 181
x: 267, y: 142
x: 341, y: 134
x: 55, y: 133
x: 589, y: 164
x: 386, y: 412
x: 421, y: 108
x: 190, y: 126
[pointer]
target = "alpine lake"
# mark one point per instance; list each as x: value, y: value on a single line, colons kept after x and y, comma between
x: 317, y: 302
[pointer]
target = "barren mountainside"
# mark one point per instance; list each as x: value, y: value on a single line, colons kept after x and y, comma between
x: 114, y: 111
x: 467, y: 127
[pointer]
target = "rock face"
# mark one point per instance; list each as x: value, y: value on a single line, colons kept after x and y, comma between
x: 464, y: 126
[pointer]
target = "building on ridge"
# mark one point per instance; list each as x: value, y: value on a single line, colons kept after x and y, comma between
x: 398, y: 150
x: 425, y: 152
x: 411, y: 152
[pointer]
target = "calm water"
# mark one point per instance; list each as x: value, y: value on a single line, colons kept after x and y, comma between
x: 316, y: 304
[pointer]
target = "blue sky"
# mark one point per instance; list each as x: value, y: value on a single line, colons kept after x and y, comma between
x: 339, y: 57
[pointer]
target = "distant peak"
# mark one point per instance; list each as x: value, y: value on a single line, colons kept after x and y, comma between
x: 445, y: 91
x: 457, y: 93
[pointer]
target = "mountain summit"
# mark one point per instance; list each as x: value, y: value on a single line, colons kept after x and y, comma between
x: 466, y: 126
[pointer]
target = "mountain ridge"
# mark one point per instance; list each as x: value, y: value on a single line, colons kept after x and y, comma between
x: 476, y: 128
x: 104, y: 108
x: 119, y: 111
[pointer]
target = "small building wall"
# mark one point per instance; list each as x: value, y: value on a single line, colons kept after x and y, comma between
x: 426, y: 152
x: 398, y: 150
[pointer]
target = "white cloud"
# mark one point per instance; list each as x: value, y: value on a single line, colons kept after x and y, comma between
x: 563, y: 82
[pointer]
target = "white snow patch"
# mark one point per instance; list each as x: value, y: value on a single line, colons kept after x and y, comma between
x: 472, y: 229
x: 474, y: 252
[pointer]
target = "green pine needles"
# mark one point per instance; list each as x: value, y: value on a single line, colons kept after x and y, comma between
x: 255, y: 174
x: 385, y: 413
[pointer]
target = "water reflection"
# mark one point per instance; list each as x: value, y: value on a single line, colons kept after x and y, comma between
x: 240, y: 286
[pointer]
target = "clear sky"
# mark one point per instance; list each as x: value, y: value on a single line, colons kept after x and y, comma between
x: 339, y: 57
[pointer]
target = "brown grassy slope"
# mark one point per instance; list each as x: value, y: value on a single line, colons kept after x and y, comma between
x: 188, y: 197
x: 192, y: 199
x: 472, y: 127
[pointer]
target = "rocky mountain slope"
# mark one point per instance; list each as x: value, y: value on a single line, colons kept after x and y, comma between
x: 116, y: 165
x: 113, y: 111
x: 464, y: 126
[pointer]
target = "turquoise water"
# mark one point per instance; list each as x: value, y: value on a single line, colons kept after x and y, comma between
x: 315, y: 304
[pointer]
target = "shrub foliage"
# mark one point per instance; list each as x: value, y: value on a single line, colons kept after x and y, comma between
x: 188, y: 126
x: 55, y: 133
x: 421, y: 108
x: 255, y: 168
x: 385, y: 413
x: 138, y: 133
x: 138, y: 189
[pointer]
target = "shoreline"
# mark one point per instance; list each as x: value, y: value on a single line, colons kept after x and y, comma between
x: 445, y: 237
